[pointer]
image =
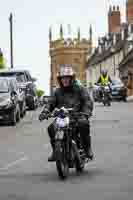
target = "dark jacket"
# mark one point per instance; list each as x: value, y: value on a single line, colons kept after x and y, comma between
x: 70, y: 97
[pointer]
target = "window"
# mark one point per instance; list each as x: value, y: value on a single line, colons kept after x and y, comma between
x: 28, y: 76
x: 4, y: 86
x: 20, y: 77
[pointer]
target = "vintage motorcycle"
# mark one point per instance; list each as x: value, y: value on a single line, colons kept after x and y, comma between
x: 68, y: 148
x: 104, y: 94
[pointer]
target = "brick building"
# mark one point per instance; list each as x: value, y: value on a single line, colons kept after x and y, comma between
x: 114, y: 20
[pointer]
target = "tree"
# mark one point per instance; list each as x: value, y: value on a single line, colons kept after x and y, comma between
x: 2, y: 60
x: 40, y: 93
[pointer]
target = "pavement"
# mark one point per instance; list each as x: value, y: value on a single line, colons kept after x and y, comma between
x: 130, y: 99
x: 25, y: 173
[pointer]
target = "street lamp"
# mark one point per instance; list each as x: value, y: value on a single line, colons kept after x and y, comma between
x: 11, y: 38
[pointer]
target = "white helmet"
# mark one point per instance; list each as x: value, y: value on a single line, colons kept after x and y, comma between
x: 65, y: 70
x: 104, y: 71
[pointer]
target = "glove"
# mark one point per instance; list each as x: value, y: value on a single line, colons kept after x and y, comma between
x: 42, y: 116
x: 45, y: 111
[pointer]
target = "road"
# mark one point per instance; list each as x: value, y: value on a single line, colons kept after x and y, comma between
x: 25, y: 173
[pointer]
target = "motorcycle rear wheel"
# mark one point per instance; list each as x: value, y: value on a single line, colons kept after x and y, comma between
x: 61, y: 161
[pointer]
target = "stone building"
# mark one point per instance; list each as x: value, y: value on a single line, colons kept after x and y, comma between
x: 109, y: 59
x: 129, y: 11
x: 126, y: 71
x: 69, y: 51
x: 114, y: 48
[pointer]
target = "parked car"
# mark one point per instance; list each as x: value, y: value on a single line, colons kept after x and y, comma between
x: 31, y: 97
x: 119, y: 91
x: 26, y: 83
x: 21, y: 96
x: 45, y: 99
x: 9, y: 102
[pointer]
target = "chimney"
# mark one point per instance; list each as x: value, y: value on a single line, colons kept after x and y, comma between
x: 114, y: 20
x: 114, y: 39
x: 123, y: 34
x: 129, y: 11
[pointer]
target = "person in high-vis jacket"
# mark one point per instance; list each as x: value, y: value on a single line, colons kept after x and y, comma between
x: 104, y: 78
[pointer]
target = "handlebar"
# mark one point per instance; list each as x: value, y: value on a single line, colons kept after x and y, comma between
x: 70, y: 111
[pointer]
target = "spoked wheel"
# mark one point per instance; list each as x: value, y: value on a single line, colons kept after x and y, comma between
x: 109, y: 103
x: 61, y: 162
x: 80, y: 164
x: 13, y: 119
x: 104, y: 103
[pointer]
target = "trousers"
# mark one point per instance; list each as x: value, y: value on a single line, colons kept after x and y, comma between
x: 84, y: 130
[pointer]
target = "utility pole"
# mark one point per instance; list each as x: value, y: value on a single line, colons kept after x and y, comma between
x: 11, y: 39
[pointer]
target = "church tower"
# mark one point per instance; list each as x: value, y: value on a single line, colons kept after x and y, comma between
x: 69, y: 51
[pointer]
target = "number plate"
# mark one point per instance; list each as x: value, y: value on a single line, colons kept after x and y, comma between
x: 114, y: 92
x: 59, y: 134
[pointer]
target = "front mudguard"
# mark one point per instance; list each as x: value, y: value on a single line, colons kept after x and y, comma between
x: 61, y: 160
x: 59, y: 150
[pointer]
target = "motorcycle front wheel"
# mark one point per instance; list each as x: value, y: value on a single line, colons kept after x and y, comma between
x: 61, y: 161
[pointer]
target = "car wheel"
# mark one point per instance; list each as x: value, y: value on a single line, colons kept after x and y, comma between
x: 33, y: 107
x: 13, y: 117
x: 18, y: 114
x: 23, y: 112
x: 124, y: 99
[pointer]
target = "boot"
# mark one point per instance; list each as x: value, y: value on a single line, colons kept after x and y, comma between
x: 88, y: 149
x: 90, y: 154
x: 51, y: 158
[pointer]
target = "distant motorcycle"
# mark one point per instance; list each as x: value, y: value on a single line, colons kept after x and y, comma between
x: 68, y: 148
x: 105, y: 95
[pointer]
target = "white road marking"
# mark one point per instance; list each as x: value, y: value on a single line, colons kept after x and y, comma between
x: 17, y: 153
x: 24, y: 158
x: 21, y: 159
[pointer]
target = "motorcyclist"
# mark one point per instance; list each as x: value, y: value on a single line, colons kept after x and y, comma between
x: 69, y: 94
x: 77, y: 82
x: 104, y: 80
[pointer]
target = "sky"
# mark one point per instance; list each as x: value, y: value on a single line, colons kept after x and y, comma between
x: 31, y: 22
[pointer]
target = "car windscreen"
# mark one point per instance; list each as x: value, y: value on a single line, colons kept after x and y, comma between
x: 19, y: 75
x: 116, y: 82
x: 4, y: 86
